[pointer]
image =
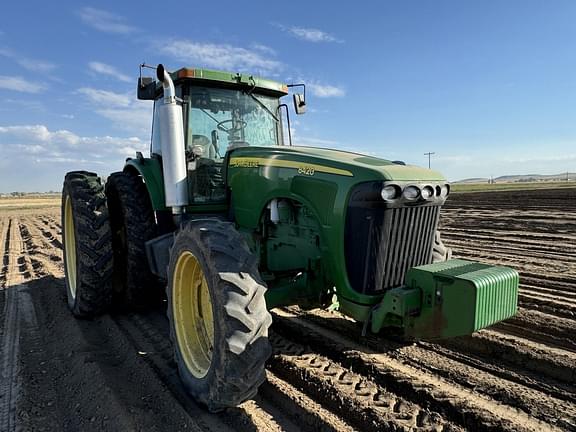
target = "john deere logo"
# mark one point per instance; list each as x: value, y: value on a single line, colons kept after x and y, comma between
x: 244, y: 163
x: 307, y: 169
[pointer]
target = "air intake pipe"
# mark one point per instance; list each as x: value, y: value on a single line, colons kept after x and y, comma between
x: 172, y: 141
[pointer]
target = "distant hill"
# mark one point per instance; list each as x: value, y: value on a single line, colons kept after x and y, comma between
x: 521, y: 178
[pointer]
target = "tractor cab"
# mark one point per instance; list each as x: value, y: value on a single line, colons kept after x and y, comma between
x: 220, y: 112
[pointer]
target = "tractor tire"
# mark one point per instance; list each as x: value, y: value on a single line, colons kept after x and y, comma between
x: 133, y: 223
x: 218, y: 315
x: 87, y: 241
x: 440, y: 253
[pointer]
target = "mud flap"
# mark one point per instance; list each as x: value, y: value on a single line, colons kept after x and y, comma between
x: 158, y: 254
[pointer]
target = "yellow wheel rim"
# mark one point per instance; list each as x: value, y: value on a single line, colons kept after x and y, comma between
x: 192, y: 310
x: 70, y: 246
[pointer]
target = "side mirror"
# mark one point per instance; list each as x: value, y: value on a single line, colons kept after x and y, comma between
x: 146, y: 88
x: 299, y: 103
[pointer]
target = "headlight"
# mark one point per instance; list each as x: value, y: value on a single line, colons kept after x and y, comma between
x: 444, y: 190
x: 390, y: 192
x: 411, y: 193
x: 427, y: 192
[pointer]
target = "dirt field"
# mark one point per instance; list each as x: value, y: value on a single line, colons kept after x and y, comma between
x: 116, y: 372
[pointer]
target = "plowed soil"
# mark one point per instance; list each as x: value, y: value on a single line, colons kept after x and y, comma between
x: 116, y: 372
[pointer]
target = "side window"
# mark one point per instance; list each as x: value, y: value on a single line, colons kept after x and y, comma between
x: 204, y: 137
x: 204, y: 158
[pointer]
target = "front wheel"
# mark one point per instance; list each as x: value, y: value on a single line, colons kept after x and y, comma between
x: 218, y: 316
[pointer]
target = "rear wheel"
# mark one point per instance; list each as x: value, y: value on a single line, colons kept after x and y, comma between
x: 218, y: 316
x: 87, y: 244
x: 132, y: 221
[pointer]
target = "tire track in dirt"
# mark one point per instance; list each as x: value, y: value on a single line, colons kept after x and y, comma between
x: 5, y: 242
x: 453, y: 377
x: 45, y: 257
x: 542, y: 328
x: 49, y: 234
x: 283, y: 408
x: 9, y: 384
x: 43, y: 247
x: 514, y: 256
x: 29, y: 252
x: 357, y: 398
x: 16, y: 269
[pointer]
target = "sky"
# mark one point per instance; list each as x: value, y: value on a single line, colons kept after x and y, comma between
x: 489, y: 86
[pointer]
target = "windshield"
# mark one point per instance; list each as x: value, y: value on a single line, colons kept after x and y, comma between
x: 222, y: 119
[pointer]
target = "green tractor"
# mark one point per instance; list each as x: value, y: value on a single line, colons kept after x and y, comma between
x: 233, y: 222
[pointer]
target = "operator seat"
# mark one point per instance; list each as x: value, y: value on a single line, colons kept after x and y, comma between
x: 204, y: 143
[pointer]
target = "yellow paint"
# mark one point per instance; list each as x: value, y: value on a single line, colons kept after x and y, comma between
x: 192, y: 314
x: 302, y: 167
x: 70, y: 245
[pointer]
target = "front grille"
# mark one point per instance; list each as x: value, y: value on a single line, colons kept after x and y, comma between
x: 408, y: 243
x: 383, y: 243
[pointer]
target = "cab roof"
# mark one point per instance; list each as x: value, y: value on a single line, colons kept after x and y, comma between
x: 229, y: 79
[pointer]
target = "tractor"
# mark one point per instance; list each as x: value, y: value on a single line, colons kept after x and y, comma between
x: 232, y: 220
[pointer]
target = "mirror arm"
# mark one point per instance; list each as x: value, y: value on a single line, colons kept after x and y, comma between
x: 299, y: 85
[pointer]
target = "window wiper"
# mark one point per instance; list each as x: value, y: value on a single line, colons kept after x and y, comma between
x: 212, y: 117
x: 263, y: 106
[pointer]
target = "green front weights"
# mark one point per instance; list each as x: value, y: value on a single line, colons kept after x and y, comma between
x: 447, y: 299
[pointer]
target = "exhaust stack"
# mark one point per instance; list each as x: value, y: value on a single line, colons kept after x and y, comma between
x: 173, y: 151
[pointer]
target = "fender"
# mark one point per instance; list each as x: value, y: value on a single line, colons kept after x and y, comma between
x: 151, y: 171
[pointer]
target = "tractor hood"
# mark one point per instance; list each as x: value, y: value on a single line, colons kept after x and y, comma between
x: 309, y: 160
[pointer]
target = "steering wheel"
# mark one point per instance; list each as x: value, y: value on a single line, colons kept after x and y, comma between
x: 221, y: 124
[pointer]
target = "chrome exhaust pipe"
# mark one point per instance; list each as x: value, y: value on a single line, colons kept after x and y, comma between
x: 172, y: 141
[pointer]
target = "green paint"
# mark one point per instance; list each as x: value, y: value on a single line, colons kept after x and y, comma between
x: 151, y: 171
x: 452, y: 298
x: 324, y: 192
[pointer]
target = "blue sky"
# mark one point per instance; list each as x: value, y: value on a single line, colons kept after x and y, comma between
x: 489, y: 86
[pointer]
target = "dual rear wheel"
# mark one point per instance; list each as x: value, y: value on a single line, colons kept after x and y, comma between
x: 87, y: 244
x: 216, y: 306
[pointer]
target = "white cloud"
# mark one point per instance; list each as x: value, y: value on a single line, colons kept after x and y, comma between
x: 35, y: 65
x: 122, y: 109
x: 11, y: 104
x: 312, y: 142
x: 325, y: 90
x: 20, y: 84
x: 66, y: 146
x: 105, y: 97
x: 31, y: 64
x: 263, y: 48
x: 453, y: 158
x: 308, y: 34
x: 221, y: 56
x: 36, y: 134
x: 106, y: 69
x: 136, y: 119
x: 105, y: 21
x: 541, y: 159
